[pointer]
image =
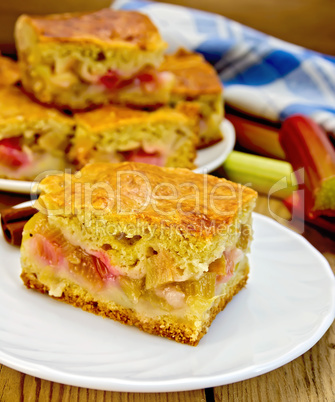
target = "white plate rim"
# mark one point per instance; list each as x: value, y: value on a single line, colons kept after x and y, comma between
x: 190, y: 383
x: 225, y: 146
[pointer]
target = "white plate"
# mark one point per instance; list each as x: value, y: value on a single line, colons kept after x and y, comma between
x: 287, y: 306
x: 207, y: 160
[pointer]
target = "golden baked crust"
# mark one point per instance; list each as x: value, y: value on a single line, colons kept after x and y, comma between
x: 16, y: 107
x: 165, y: 327
x: 134, y: 191
x: 9, y: 71
x: 107, y: 27
x: 194, y: 76
x: 112, y: 116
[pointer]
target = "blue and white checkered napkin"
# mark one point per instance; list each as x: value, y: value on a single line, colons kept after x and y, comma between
x: 262, y: 75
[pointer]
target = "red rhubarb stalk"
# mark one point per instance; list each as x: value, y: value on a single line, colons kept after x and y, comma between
x: 307, y: 146
x: 294, y: 203
x: 257, y: 137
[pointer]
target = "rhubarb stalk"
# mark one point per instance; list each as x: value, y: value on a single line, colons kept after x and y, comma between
x: 307, y: 146
x: 294, y: 203
x: 261, y: 173
x: 257, y: 137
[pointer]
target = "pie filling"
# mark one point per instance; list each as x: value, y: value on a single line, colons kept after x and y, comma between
x: 84, y: 151
x: 148, y: 80
x: 57, y: 262
x: 136, y: 155
x: 12, y: 153
x: 18, y: 159
x: 139, y: 155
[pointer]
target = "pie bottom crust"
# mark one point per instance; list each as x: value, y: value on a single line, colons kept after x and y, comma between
x: 166, y: 326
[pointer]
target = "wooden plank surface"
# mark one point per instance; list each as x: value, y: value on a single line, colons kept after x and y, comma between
x: 18, y: 387
x: 308, y: 23
x: 310, y: 377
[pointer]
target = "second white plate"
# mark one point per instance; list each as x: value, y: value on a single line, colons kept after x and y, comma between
x: 207, y: 160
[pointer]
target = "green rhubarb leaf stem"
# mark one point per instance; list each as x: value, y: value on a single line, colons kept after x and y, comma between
x: 260, y: 173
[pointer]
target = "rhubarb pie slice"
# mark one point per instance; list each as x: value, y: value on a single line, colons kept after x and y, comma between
x: 165, y: 137
x: 9, y: 72
x: 196, y: 81
x: 33, y: 138
x: 81, y: 60
x: 163, y: 249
